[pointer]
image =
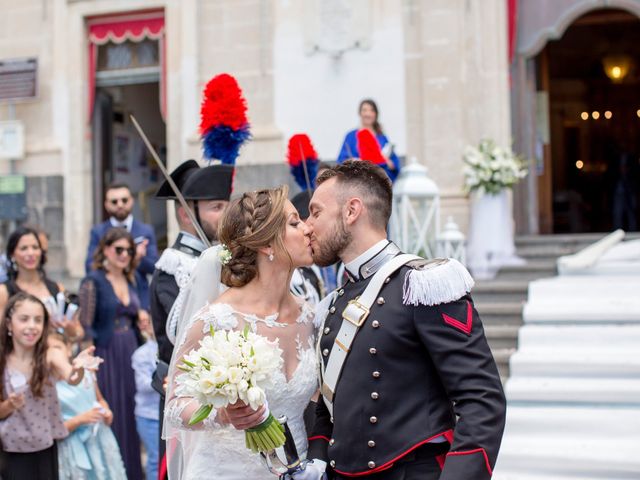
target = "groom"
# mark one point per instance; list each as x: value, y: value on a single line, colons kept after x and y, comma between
x: 419, y: 395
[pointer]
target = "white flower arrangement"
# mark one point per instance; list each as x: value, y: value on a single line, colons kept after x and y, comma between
x: 490, y: 169
x: 224, y: 254
x: 230, y: 366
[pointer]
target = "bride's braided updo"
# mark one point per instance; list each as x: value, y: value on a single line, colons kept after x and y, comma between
x: 254, y: 220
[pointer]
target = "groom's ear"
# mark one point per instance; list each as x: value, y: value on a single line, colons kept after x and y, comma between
x: 353, y: 209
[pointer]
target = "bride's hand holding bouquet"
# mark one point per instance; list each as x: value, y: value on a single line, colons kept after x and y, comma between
x: 231, y: 371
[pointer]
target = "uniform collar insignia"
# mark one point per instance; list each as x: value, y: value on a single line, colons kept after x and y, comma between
x: 371, y: 266
x: 189, y: 244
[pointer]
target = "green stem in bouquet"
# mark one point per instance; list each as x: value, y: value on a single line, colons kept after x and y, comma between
x: 266, y: 436
x: 200, y: 414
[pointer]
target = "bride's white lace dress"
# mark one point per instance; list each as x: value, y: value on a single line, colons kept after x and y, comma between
x: 218, y: 451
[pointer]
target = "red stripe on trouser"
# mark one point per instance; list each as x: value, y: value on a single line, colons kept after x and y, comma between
x: 162, y: 471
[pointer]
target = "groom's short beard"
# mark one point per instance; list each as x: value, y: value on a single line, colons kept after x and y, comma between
x: 328, y: 252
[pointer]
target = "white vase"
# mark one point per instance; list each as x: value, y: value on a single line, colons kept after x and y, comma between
x: 490, y: 243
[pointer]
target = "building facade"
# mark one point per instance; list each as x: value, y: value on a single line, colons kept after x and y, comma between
x: 438, y: 69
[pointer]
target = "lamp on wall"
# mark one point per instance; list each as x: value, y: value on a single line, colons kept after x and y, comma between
x: 616, y: 67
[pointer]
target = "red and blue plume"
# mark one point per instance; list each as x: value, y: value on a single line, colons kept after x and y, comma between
x: 369, y: 148
x: 301, y: 153
x: 223, y: 119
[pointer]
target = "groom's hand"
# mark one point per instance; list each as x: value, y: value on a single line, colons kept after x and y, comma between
x: 242, y: 416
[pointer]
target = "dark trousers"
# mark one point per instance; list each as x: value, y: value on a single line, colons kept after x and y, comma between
x: 42, y: 465
x: 421, y: 464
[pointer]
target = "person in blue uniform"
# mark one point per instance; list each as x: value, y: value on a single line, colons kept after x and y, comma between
x: 368, y: 112
x: 418, y: 394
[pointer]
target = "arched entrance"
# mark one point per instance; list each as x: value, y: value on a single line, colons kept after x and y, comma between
x: 576, y: 111
x: 592, y: 76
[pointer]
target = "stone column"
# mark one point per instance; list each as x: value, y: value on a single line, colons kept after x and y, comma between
x: 239, y: 40
x: 457, y: 86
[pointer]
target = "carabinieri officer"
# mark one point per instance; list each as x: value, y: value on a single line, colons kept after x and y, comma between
x: 410, y: 389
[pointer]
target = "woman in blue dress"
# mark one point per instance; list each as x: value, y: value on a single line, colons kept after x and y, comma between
x: 90, y: 452
x: 110, y: 311
x: 368, y: 111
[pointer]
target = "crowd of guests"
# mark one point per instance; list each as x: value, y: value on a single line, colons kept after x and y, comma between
x: 77, y: 400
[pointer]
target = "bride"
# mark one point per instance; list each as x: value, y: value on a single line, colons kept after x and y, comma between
x: 267, y: 241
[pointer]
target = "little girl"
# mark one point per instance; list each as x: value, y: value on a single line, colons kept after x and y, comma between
x: 30, y: 420
x: 90, y: 452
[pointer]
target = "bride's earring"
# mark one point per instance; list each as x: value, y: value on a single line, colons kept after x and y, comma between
x: 271, y: 257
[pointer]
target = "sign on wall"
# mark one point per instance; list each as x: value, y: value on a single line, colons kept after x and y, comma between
x: 18, y: 79
x: 13, y: 197
x: 11, y: 140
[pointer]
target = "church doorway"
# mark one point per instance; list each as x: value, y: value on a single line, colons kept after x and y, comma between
x: 588, y: 166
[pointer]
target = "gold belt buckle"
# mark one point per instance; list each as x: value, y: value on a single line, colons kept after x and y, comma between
x: 364, y: 313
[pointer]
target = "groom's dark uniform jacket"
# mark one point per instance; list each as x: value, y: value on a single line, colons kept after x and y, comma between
x: 419, y: 370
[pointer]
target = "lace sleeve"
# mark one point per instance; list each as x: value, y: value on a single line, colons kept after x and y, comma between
x: 178, y: 407
x: 87, y: 300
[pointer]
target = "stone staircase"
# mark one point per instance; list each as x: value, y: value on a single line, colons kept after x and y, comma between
x: 500, y: 301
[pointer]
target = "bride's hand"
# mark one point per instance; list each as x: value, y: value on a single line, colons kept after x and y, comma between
x: 242, y: 416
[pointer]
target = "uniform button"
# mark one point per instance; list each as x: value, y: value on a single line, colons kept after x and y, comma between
x: 375, y: 374
x: 373, y: 351
x: 371, y: 443
x: 332, y: 310
x: 387, y: 280
x: 341, y: 292
x: 325, y: 352
x: 375, y: 395
x: 326, y: 330
x: 373, y: 419
x: 332, y: 463
x: 375, y: 324
x: 331, y: 442
x: 372, y: 464
x: 380, y: 301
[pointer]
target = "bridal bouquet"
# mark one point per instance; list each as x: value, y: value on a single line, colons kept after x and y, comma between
x: 490, y: 168
x: 230, y: 366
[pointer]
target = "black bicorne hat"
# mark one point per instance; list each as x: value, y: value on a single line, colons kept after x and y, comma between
x: 214, y: 182
x: 180, y: 175
x: 301, y: 202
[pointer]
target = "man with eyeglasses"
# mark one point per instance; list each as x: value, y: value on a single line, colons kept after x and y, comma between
x: 119, y: 204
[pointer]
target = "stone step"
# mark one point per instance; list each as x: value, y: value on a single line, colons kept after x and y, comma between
x: 532, y: 270
x: 573, y: 390
x: 502, y: 356
x: 589, y: 362
x: 547, y: 253
x: 497, y: 291
x: 555, y: 442
x: 498, y: 313
x: 502, y: 336
x: 568, y: 239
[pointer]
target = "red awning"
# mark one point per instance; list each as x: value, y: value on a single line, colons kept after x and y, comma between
x: 134, y: 27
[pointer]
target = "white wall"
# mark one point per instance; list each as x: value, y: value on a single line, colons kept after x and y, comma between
x: 319, y: 95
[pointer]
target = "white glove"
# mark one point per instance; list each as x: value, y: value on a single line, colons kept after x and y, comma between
x: 313, y: 471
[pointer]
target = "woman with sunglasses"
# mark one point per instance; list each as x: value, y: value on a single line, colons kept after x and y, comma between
x: 110, y: 311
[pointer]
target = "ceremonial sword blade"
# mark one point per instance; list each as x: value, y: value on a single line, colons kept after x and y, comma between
x: 171, y: 183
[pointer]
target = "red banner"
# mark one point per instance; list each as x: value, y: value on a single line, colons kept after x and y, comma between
x: 512, y: 18
x: 134, y: 27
